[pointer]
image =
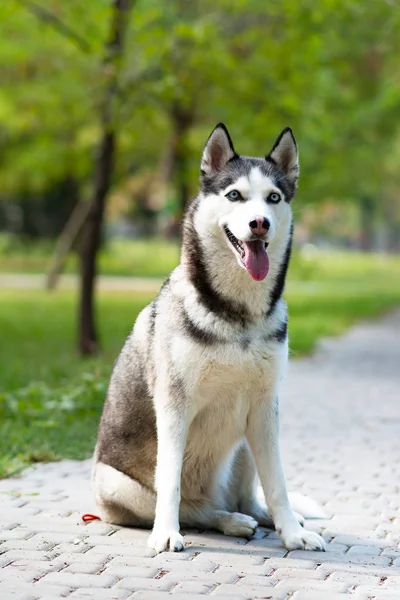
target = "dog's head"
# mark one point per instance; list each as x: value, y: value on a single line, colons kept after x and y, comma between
x: 248, y: 198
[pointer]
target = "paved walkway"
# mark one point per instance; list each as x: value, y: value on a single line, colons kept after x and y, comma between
x: 341, y: 443
x: 27, y: 281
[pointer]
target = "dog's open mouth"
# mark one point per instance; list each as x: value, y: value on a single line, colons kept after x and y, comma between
x: 253, y: 255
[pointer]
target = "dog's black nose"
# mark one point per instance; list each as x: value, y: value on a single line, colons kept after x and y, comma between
x: 260, y: 225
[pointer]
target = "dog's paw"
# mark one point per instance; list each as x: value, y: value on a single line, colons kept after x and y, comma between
x: 263, y: 518
x: 239, y: 525
x: 161, y: 540
x: 259, y: 512
x: 302, y: 539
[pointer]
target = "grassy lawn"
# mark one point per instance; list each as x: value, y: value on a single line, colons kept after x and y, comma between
x: 138, y: 258
x: 50, y: 399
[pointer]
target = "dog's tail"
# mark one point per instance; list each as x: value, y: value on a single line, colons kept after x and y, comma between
x: 306, y: 506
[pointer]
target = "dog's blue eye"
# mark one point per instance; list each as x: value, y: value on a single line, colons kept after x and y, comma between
x: 234, y: 195
x: 274, y: 198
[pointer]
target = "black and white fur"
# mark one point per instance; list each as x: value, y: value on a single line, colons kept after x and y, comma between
x: 191, y: 415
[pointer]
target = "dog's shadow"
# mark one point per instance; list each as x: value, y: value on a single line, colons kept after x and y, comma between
x: 345, y: 549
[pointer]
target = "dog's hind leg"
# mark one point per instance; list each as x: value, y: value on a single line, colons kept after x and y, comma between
x: 121, y: 499
x: 124, y: 501
x: 206, y: 517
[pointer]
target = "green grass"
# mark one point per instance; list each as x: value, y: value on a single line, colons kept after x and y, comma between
x: 51, y: 400
x: 138, y: 258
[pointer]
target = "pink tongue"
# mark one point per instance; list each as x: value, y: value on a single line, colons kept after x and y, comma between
x: 256, y: 259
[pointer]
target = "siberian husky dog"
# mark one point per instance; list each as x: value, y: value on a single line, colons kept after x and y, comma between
x: 190, y: 423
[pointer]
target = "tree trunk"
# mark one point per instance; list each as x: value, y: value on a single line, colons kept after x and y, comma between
x: 182, y: 120
x: 367, y: 214
x: 66, y: 242
x: 392, y: 225
x: 88, y: 337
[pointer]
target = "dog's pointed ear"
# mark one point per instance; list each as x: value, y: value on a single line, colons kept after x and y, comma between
x: 285, y: 156
x: 217, y: 151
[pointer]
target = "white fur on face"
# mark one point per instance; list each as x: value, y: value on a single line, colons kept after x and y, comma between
x: 255, y: 190
x: 219, y: 211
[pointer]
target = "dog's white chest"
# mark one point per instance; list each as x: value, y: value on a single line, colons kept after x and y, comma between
x: 236, y: 370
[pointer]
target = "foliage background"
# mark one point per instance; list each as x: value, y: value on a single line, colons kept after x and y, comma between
x: 329, y: 69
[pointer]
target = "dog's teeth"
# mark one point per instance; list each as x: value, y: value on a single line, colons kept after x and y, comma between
x: 237, y: 244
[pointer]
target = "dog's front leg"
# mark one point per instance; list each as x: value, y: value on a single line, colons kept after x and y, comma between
x: 263, y: 437
x: 172, y: 430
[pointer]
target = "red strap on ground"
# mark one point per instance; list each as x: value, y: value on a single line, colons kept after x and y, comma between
x: 89, y: 517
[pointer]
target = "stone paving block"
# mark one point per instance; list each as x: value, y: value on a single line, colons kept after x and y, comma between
x: 195, y: 566
x: 29, y: 591
x: 38, y: 565
x: 354, y: 579
x: 130, y: 560
x: 15, y: 534
x: 33, y: 543
x: 353, y: 540
x: 99, y: 528
x: 143, y: 583
x: 138, y: 571
x: 265, y: 548
x: 371, y: 550
x: 365, y: 592
x: 87, y: 568
x: 132, y: 535
x: 156, y: 595
x: 357, y: 568
x: 294, y: 584
x: 393, y: 580
x: 116, y: 550
x: 208, y: 578
x: 244, y: 589
x: 213, y: 539
x: 248, y: 591
x: 391, y: 552
x: 96, y: 594
x: 17, y: 514
x: 12, y: 555
x: 284, y: 573
x: 191, y: 587
x: 52, y: 525
x: 230, y: 559
x: 17, y: 594
x: 59, y: 539
x: 79, y: 548
x: 316, y: 595
x: 69, y: 558
x: 257, y: 580
x: 363, y: 559
x: 9, y: 573
x: 243, y: 570
x: 8, y: 525
x: 291, y: 563
x: 137, y: 539
x: 76, y: 580
x: 173, y: 558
